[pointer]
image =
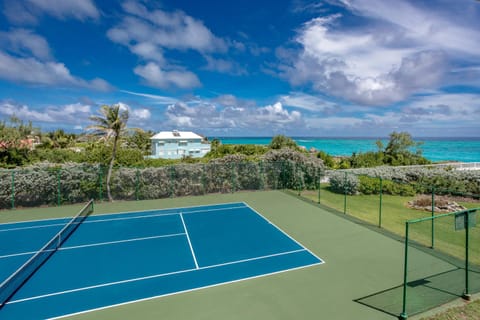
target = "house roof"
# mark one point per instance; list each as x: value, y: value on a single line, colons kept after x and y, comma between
x: 176, y: 135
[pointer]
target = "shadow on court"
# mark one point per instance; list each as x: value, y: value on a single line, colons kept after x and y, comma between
x: 423, y: 293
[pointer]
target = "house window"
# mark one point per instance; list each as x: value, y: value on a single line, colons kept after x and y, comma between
x: 183, y: 143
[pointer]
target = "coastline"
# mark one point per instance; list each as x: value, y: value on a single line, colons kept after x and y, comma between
x: 436, y: 149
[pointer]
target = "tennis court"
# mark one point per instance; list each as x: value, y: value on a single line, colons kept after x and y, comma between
x: 117, y: 258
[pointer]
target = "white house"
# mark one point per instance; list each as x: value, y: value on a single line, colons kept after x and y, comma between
x: 178, y: 144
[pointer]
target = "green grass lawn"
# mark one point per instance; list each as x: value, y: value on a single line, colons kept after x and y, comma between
x: 395, y: 212
x: 469, y: 311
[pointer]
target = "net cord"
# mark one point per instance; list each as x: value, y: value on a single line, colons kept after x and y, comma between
x: 16, y: 280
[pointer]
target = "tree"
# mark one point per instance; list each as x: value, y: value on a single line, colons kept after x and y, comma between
x: 281, y: 141
x: 110, y: 125
x: 398, y: 150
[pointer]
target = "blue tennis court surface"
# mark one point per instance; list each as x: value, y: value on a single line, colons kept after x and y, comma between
x: 120, y: 258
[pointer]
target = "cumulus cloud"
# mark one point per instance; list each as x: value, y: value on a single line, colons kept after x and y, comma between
x: 435, y: 114
x: 402, y: 50
x: 74, y: 115
x: 157, y: 77
x: 25, y: 57
x: 310, y: 102
x: 136, y: 115
x: 149, y: 33
x: 26, y: 43
x: 71, y: 113
x: 208, y: 116
x: 27, y: 12
x: 172, y: 30
x: 33, y: 71
x: 224, y: 66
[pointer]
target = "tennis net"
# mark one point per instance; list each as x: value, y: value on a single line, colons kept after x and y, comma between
x: 22, y: 274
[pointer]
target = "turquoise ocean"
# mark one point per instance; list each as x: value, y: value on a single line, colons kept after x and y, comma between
x: 434, y: 149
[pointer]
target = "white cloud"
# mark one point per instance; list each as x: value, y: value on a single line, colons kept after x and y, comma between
x: 149, y: 33
x: 63, y: 9
x: 28, y: 11
x: 438, y: 114
x: 401, y: 49
x: 224, y: 66
x: 158, y: 99
x: 207, y: 117
x: 427, y: 25
x: 71, y: 113
x: 8, y: 108
x: 155, y: 76
x: 308, y: 102
x: 26, y: 43
x: 33, y: 71
x: 138, y: 115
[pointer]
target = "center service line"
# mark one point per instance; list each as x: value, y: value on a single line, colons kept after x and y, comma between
x: 189, y: 242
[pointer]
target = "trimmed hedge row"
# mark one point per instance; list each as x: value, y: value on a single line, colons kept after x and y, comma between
x: 72, y: 183
x: 406, y: 181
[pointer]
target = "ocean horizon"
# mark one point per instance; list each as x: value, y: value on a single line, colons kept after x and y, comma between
x: 436, y: 149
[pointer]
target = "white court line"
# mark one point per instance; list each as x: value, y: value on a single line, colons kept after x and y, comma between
x: 286, y: 234
x: 99, y: 244
x: 120, y: 241
x: 127, y: 218
x: 17, y: 254
x: 164, y: 275
x: 183, y: 291
x: 127, y: 212
x: 189, y: 242
x: 35, y: 227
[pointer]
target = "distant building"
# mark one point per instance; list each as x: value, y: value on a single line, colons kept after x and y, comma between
x: 178, y: 144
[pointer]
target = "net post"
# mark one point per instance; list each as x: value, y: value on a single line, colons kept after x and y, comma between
x: 380, y: 204
x: 13, y: 189
x: 433, y: 220
x: 404, y: 315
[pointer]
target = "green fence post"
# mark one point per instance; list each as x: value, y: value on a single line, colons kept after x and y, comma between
x: 433, y: 214
x: 296, y: 178
x: 58, y: 188
x: 100, y: 179
x: 204, y: 178
x: 13, y: 189
x: 261, y: 175
x: 345, y: 194
x: 172, y: 181
x: 404, y: 315
x: 233, y: 177
x: 319, y: 186
x: 466, y: 293
x: 137, y: 182
x: 380, y: 206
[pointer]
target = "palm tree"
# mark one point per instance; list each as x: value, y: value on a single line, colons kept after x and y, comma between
x: 111, y: 124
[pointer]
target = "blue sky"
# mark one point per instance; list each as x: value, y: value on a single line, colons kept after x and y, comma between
x: 246, y: 68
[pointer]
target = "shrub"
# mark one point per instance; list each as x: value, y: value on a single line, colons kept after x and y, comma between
x: 340, y: 182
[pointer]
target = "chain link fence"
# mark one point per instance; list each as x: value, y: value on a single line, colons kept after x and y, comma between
x: 43, y: 185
